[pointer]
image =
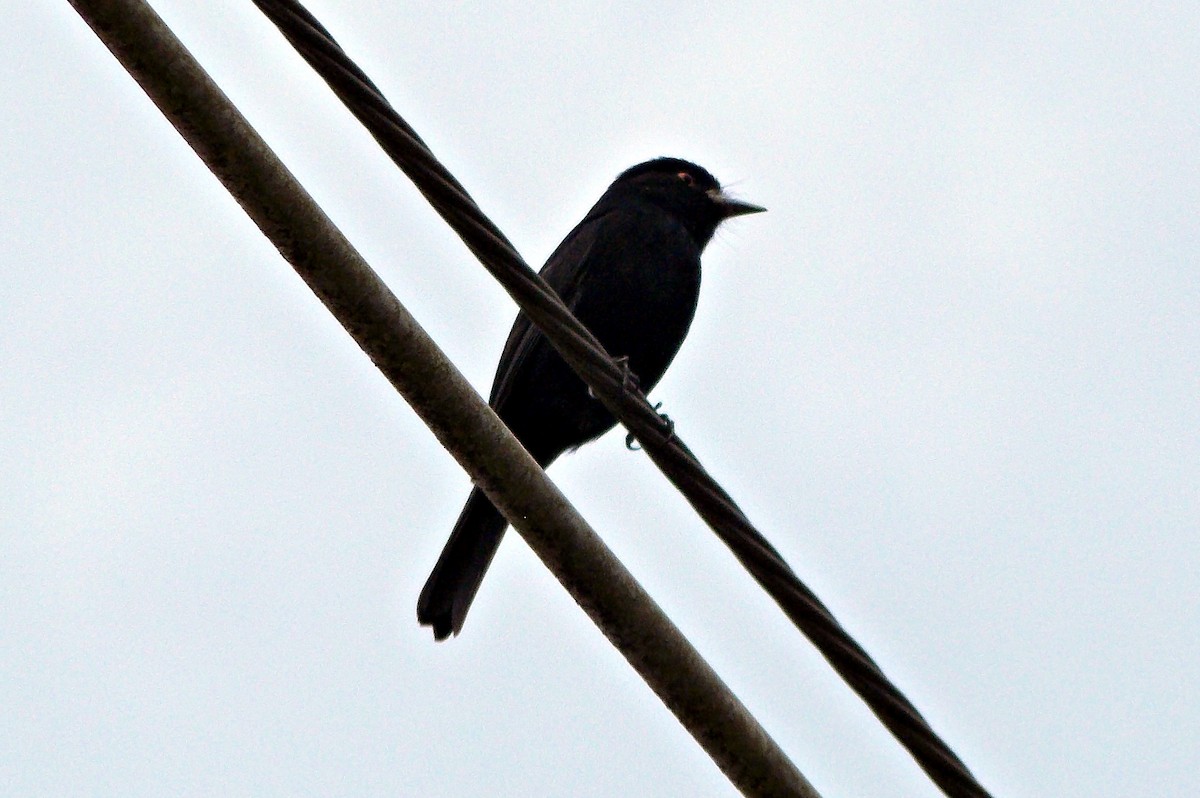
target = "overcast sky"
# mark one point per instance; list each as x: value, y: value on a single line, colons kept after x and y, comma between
x: 953, y: 374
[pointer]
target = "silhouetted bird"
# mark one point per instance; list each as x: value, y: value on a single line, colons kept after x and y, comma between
x: 630, y: 272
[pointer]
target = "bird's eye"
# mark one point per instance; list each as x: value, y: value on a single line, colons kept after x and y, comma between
x: 686, y: 178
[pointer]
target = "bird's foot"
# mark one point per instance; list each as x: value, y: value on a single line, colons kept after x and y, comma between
x: 631, y: 442
x: 629, y: 380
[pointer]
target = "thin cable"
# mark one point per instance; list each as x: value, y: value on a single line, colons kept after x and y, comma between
x: 605, y: 377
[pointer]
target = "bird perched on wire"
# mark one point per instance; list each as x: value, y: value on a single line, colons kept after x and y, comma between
x: 630, y: 272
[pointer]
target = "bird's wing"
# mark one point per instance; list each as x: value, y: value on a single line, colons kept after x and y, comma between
x: 564, y: 272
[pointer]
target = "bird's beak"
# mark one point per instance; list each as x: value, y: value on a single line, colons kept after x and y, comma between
x: 732, y: 207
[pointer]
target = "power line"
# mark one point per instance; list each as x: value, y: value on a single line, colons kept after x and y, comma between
x: 605, y: 377
x: 465, y: 425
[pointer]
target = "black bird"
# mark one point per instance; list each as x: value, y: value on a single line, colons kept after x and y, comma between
x: 630, y: 272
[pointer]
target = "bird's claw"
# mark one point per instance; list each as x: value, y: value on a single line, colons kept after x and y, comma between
x: 631, y: 442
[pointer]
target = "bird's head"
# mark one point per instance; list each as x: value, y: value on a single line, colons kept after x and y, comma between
x: 687, y: 191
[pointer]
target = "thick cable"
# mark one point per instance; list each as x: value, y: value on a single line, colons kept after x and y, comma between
x: 442, y: 397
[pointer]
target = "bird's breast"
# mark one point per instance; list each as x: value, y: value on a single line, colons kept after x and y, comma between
x: 641, y: 300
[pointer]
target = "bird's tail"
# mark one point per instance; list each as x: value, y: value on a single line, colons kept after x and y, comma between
x: 451, y: 587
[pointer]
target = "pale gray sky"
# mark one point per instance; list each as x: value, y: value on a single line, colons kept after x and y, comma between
x: 954, y: 375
